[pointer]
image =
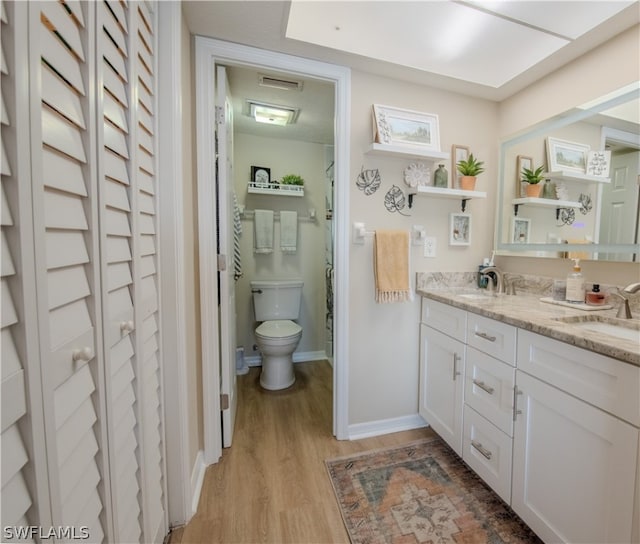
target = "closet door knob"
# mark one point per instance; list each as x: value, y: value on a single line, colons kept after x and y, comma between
x: 126, y: 326
x: 84, y: 354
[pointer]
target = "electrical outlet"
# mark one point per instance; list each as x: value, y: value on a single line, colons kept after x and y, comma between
x: 429, y: 246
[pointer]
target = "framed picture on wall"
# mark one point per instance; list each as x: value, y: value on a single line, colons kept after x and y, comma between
x: 260, y: 176
x: 520, y: 229
x: 521, y: 162
x: 564, y: 155
x: 458, y: 153
x: 459, y: 229
x: 395, y: 126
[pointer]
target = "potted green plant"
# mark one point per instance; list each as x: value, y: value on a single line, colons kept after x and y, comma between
x: 292, y: 179
x: 469, y: 168
x: 533, y: 178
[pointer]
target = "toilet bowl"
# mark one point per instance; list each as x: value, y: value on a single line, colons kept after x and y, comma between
x: 276, y: 304
x: 277, y: 340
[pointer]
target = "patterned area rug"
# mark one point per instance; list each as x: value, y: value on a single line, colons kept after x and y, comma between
x: 420, y: 492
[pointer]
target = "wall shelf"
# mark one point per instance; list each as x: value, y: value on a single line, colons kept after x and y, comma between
x: 276, y: 189
x: 568, y: 175
x: 544, y: 203
x: 443, y: 192
x: 407, y: 152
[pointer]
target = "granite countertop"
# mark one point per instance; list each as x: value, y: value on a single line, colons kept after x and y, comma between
x: 526, y: 311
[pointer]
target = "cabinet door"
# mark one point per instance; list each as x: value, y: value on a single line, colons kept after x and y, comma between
x: 573, y: 467
x: 442, y: 385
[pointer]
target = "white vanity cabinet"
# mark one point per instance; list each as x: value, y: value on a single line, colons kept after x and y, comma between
x: 442, y: 359
x: 575, y: 442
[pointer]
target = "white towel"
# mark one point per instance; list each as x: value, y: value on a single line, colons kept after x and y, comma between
x: 288, y: 231
x: 263, y: 231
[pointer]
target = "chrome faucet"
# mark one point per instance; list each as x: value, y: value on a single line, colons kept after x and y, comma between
x: 624, y: 311
x: 498, y: 278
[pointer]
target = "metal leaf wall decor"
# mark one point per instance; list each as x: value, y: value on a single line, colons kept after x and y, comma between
x: 368, y: 181
x: 395, y: 200
x: 586, y: 204
x: 567, y: 216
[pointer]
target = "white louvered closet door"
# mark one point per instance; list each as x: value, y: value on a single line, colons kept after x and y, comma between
x: 64, y: 181
x: 83, y: 434
x: 121, y: 369
x: 23, y: 477
x: 147, y: 297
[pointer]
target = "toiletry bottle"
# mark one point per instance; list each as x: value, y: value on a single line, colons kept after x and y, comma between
x: 595, y: 297
x: 575, y: 284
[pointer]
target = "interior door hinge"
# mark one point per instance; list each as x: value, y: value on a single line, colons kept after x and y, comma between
x: 222, y: 263
x: 224, y: 401
x: 219, y: 115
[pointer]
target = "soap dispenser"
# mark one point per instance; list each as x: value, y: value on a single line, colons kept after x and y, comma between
x: 575, y: 284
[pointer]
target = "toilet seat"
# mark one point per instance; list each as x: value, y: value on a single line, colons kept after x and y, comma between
x: 280, y: 328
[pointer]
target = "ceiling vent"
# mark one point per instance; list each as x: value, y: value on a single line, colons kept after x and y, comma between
x: 276, y: 83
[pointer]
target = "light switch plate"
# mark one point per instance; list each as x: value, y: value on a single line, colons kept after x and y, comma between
x: 429, y: 246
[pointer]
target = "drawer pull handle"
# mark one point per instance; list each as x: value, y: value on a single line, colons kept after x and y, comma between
x: 456, y: 358
x: 485, y: 336
x: 484, y: 386
x: 483, y: 451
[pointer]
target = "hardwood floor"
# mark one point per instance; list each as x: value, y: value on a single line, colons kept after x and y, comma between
x: 272, y: 484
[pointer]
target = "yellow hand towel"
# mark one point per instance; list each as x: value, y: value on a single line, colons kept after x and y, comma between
x: 391, y: 266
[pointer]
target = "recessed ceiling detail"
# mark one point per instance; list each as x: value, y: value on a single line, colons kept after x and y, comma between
x: 279, y: 83
x: 485, y: 42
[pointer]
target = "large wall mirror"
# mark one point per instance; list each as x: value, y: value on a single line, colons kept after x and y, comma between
x: 589, y: 202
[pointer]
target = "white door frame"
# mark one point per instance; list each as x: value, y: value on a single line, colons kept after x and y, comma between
x: 208, y: 52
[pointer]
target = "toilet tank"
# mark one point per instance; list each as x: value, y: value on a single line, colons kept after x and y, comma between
x: 276, y: 299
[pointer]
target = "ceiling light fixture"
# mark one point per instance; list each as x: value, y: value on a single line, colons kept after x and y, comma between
x: 272, y: 114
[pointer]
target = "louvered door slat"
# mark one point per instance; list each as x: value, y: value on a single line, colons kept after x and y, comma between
x: 63, y: 173
x: 55, y: 54
x: 118, y: 249
x: 117, y: 196
x: 65, y: 248
x: 145, y: 182
x: 60, y: 97
x: 76, y: 11
x: 115, y: 140
x: 115, y: 167
x: 115, y: 112
x: 14, y: 454
x: 13, y: 400
x: 67, y: 285
x: 114, y: 30
x: 147, y: 224
x: 20, y: 501
x: 119, y: 13
x: 64, y: 26
x: 115, y: 58
x: 114, y: 85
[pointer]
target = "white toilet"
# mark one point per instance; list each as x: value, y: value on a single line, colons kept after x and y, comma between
x: 276, y: 303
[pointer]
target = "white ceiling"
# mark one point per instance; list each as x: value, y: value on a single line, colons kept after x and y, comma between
x: 487, y: 49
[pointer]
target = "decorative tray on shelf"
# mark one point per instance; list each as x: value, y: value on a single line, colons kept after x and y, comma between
x: 576, y: 305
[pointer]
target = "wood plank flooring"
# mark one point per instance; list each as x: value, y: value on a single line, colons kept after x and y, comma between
x: 272, y: 485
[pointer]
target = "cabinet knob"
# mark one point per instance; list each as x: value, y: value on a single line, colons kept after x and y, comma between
x: 84, y: 354
x: 126, y: 326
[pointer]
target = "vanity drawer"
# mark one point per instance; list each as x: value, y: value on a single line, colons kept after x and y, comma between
x: 488, y: 389
x: 450, y: 320
x: 604, y: 382
x: 492, y: 337
x: 487, y: 450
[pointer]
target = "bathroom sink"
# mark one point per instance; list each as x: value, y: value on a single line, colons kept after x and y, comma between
x: 625, y: 329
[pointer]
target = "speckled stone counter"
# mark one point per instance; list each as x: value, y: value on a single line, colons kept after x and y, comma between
x: 526, y: 311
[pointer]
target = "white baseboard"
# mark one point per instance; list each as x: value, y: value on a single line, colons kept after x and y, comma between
x: 385, y: 426
x: 197, y: 479
x: 302, y: 357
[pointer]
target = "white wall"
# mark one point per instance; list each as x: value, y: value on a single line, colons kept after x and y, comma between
x: 283, y: 157
x: 383, y: 358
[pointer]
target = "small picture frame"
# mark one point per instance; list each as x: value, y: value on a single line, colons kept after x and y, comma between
x: 459, y: 229
x: 564, y: 155
x: 522, y: 161
x: 520, y: 230
x: 260, y: 176
x: 407, y: 128
x: 598, y: 163
x: 458, y: 153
